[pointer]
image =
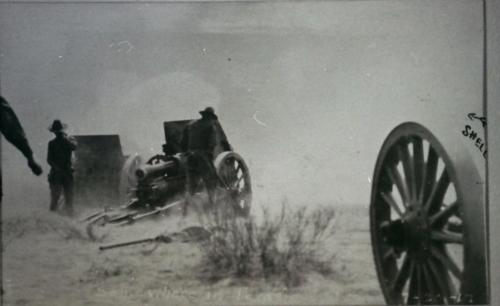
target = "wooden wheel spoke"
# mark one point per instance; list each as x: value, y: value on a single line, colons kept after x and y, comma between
x: 237, y: 183
x: 415, y: 290
x: 447, y: 261
x: 228, y: 172
x: 420, y: 287
x: 409, y: 169
x: 223, y: 174
x: 227, y: 180
x: 452, y: 293
x: 454, y: 228
x: 436, y: 197
x: 389, y: 254
x: 396, y: 178
x: 236, y: 171
x: 447, y: 237
x: 443, y: 215
x: 389, y: 199
x: 402, y: 275
x: 430, y: 173
x: 440, y: 276
x: 419, y: 166
x: 429, y: 283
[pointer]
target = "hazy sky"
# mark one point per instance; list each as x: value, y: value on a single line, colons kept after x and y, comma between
x: 306, y: 92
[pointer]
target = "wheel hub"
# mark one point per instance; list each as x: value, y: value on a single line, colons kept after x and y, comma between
x: 411, y: 232
x: 416, y: 229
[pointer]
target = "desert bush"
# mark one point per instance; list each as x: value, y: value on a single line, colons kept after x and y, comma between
x: 285, y: 247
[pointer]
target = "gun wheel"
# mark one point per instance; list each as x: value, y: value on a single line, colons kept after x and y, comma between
x: 235, y: 177
x: 427, y: 222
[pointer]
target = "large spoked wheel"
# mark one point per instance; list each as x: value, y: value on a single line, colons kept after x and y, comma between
x: 427, y: 222
x: 128, y: 180
x: 235, y: 178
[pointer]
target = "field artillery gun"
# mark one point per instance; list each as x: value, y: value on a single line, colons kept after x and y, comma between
x: 428, y: 221
x: 161, y: 183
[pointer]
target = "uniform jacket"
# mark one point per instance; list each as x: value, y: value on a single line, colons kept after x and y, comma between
x: 204, y: 135
x: 59, y: 154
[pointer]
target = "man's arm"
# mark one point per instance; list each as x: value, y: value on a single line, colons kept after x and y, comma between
x: 11, y: 128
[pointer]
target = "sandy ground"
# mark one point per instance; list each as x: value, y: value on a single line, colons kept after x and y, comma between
x: 49, y: 260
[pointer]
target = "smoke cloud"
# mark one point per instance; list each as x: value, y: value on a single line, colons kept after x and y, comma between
x: 306, y: 92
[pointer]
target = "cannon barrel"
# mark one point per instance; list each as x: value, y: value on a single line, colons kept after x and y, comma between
x: 156, y: 170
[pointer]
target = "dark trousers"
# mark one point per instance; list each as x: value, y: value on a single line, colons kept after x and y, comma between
x: 201, y: 169
x: 61, y: 182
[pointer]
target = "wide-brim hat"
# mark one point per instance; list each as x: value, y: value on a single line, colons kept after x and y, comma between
x: 208, y: 111
x: 57, y: 126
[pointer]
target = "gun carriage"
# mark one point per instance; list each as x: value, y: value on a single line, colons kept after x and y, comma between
x: 161, y: 183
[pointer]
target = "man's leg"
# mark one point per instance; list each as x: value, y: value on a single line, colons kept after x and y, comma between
x: 55, y: 194
x: 192, y: 179
x: 210, y: 179
x: 68, y: 193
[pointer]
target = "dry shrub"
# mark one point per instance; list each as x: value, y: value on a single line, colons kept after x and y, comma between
x: 285, y: 247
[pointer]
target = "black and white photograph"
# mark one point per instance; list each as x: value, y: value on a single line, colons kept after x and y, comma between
x: 245, y: 153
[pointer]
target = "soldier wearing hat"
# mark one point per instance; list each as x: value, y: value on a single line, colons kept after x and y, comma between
x: 201, y: 135
x: 61, y: 172
x: 199, y: 141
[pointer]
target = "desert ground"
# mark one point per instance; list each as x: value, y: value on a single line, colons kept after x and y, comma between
x: 48, y: 259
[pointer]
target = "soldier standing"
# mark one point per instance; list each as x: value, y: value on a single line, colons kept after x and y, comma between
x: 201, y: 137
x: 61, y: 172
